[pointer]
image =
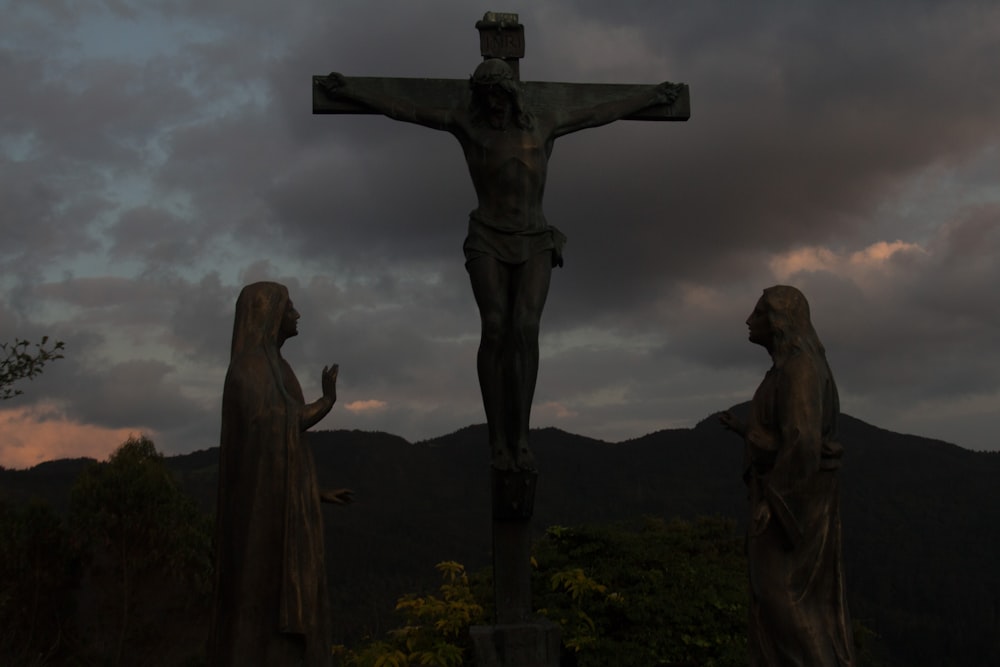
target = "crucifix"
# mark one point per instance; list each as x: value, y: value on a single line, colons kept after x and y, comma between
x: 506, y: 129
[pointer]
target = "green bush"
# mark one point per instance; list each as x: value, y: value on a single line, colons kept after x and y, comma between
x: 652, y: 593
x: 435, y: 630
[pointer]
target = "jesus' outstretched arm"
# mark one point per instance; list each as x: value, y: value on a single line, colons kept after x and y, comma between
x: 397, y: 108
x: 574, y: 120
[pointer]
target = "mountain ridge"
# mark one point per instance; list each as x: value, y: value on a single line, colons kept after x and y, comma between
x: 921, y: 521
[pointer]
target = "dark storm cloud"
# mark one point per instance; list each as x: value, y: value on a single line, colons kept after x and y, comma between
x: 201, y: 321
x: 155, y: 236
x: 91, y: 386
x: 943, y: 317
x: 130, y: 393
x: 93, y: 110
x: 42, y: 214
x: 803, y: 120
x: 193, y: 319
x: 362, y: 203
x: 388, y: 336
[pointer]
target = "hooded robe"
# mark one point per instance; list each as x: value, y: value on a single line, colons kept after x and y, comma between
x: 271, y: 600
x: 798, y: 604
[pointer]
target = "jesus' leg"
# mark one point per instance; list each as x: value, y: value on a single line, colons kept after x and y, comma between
x: 491, y: 287
x: 529, y: 288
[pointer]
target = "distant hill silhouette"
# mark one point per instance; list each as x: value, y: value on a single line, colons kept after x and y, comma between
x: 921, y: 517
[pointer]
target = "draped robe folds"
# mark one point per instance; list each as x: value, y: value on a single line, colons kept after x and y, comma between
x: 271, y: 603
x: 798, y: 606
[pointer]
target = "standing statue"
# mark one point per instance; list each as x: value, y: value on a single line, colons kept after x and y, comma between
x: 271, y: 600
x: 510, y: 248
x: 798, y: 606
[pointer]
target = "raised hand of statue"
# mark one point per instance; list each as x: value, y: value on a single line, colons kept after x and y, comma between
x: 337, y: 496
x: 667, y: 92
x: 733, y: 423
x: 329, y: 381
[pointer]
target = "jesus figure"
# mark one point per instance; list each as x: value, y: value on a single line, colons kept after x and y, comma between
x: 510, y: 248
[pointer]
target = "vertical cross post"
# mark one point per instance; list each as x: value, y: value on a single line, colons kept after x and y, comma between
x: 515, y: 639
x: 513, y: 493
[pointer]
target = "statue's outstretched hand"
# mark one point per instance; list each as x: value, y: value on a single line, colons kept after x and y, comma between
x: 329, y: 380
x: 337, y: 496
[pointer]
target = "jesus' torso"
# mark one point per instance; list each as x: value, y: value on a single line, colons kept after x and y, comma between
x: 508, y: 168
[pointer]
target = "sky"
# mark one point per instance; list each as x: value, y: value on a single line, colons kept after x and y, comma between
x: 157, y: 155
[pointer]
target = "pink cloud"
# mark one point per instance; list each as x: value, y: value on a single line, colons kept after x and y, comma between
x: 863, y: 266
x: 882, y: 251
x: 554, y: 410
x: 805, y: 260
x: 31, y: 435
x: 368, y: 405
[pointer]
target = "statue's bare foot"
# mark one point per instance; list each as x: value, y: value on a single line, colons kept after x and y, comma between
x: 525, y: 459
x: 502, y: 459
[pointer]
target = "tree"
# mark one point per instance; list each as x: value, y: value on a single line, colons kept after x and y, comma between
x: 18, y: 363
x: 39, y: 574
x: 151, y: 553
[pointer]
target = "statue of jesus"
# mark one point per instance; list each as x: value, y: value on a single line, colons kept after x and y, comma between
x: 510, y: 248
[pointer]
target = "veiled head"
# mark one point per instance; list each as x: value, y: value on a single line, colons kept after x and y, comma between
x: 260, y: 312
x: 787, y: 312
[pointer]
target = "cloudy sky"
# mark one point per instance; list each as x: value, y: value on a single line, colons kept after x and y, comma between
x: 156, y: 155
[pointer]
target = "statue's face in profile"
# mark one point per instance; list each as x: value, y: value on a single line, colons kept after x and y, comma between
x: 759, y: 324
x: 289, y: 322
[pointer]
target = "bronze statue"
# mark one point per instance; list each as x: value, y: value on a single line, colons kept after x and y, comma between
x: 271, y: 599
x: 510, y: 248
x: 798, y: 605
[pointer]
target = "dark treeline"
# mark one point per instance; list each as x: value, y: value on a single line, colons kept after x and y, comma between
x: 921, y: 529
x: 121, y: 574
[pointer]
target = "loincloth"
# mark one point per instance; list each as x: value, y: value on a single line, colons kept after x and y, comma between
x: 512, y: 247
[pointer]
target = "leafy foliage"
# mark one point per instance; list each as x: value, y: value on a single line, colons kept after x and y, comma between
x: 657, y: 594
x: 435, y: 630
x: 19, y: 363
x: 579, y: 628
x: 654, y: 594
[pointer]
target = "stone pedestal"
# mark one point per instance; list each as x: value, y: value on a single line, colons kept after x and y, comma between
x: 533, y: 644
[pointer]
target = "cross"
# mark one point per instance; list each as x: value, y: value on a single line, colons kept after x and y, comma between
x: 507, y: 129
x: 501, y: 36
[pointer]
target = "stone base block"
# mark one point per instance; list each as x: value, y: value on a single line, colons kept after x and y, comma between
x: 534, y: 644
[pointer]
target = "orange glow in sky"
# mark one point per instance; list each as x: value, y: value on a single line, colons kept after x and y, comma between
x: 29, y: 436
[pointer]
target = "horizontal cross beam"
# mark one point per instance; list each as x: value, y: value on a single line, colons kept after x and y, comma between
x: 449, y: 93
